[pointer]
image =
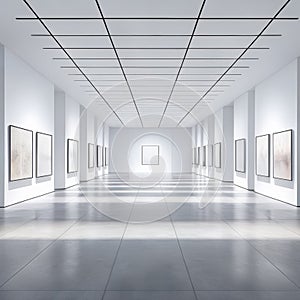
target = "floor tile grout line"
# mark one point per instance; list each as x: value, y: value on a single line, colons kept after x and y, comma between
x: 119, y: 247
x: 258, y: 251
x: 181, y: 251
x: 38, y: 254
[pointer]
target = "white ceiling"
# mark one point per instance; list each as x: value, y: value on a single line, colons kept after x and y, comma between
x: 156, y: 42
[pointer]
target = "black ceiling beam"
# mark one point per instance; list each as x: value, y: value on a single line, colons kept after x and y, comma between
x: 155, y: 48
x: 155, y: 18
x: 154, y: 67
x: 154, y: 58
x: 118, y: 58
x: 70, y: 58
x: 183, y: 59
x: 237, y: 59
x: 156, y: 35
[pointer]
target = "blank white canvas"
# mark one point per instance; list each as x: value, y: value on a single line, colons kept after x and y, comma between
x: 44, y: 155
x: 150, y: 155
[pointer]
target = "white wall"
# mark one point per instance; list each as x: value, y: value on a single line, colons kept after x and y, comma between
x: 67, y: 126
x: 276, y: 108
x: 244, y: 129
x: 2, y: 126
x: 175, y: 148
x: 87, y: 135
x: 29, y: 103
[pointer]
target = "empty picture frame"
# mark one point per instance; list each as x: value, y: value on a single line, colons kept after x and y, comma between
x: 240, y: 155
x: 91, y: 155
x: 106, y: 156
x: 150, y: 154
x: 217, y: 155
x: 262, y: 159
x: 99, y: 156
x: 20, y: 153
x: 210, y: 155
x: 203, y: 156
x: 43, y: 154
x: 72, y: 156
x: 282, y: 155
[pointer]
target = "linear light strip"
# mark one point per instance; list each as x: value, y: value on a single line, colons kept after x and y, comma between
x: 69, y: 56
x: 238, y: 58
x: 118, y: 58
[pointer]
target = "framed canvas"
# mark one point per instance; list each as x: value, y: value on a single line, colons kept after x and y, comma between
x: 198, y: 150
x: 240, y: 155
x: 72, y: 156
x: 217, y: 155
x: 20, y: 153
x: 203, y: 156
x: 105, y: 156
x: 44, y: 155
x: 99, y: 156
x: 150, y: 154
x: 282, y: 155
x: 210, y: 155
x: 91, y: 156
x: 262, y: 153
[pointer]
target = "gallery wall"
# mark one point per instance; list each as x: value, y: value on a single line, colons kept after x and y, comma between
x: 276, y: 109
x: 175, y: 148
x: 67, y: 126
x: 244, y: 129
x: 29, y: 103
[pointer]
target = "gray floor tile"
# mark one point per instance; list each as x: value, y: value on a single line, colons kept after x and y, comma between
x: 149, y: 265
x: 68, y: 265
x: 51, y: 295
x: 231, y: 265
x: 150, y: 295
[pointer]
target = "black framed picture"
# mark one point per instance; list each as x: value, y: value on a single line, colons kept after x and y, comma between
x: 20, y: 153
x: 217, y: 155
x: 44, y: 154
x: 262, y: 155
x: 150, y: 155
x: 240, y: 155
x: 282, y: 155
x: 72, y: 156
x: 91, y: 156
x: 99, y: 156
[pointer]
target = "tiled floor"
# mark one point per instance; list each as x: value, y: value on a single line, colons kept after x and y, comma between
x: 121, y: 238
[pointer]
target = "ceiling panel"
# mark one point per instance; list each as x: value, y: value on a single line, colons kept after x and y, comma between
x: 154, y: 8
x: 148, y: 48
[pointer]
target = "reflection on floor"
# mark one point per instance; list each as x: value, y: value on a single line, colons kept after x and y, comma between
x: 122, y: 238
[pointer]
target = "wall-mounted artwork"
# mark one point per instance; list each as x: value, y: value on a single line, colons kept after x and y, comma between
x: 198, y: 151
x: 217, y: 155
x: 263, y: 155
x: 240, y: 155
x: 105, y: 156
x: 20, y: 153
x: 72, y: 158
x: 91, y: 156
x: 203, y: 156
x: 43, y: 155
x: 99, y: 156
x: 282, y: 155
x: 150, y: 154
x: 210, y: 155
